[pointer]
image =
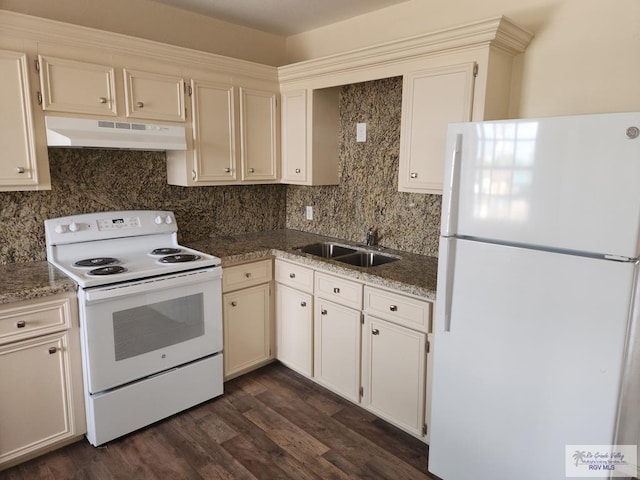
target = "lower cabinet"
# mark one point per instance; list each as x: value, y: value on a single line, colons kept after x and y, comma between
x: 337, y: 348
x: 247, y: 314
x: 393, y: 373
x: 41, y: 401
x: 294, y: 326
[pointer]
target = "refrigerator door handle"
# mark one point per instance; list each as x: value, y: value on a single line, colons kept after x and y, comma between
x: 450, y: 207
x: 445, y: 280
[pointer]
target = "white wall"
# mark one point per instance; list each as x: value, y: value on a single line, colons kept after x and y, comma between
x: 585, y: 57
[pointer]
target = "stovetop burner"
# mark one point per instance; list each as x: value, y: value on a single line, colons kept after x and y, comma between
x: 110, y: 270
x: 179, y: 258
x: 165, y: 251
x: 96, y: 262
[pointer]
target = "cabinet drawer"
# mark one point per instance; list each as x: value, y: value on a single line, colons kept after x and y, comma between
x: 30, y: 319
x: 397, y: 308
x: 295, y: 276
x: 338, y: 290
x: 246, y: 275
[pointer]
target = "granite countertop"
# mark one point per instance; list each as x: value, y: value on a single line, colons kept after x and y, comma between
x: 413, y: 274
x: 26, y: 281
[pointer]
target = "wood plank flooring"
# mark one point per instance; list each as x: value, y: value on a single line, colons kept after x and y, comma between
x: 270, y: 424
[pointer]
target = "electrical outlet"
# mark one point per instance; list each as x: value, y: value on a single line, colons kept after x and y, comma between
x: 361, y: 132
x: 309, y: 212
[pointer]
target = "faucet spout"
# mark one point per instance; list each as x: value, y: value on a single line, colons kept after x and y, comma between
x: 371, y: 237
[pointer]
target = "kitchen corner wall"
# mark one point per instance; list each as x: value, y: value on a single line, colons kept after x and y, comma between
x: 88, y: 180
x: 368, y: 191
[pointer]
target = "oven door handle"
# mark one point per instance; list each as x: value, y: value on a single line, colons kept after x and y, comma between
x: 109, y: 292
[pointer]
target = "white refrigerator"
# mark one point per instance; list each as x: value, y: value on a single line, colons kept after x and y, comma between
x: 536, y: 345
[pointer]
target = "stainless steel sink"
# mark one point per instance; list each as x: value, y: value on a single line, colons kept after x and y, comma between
x: 367, y: 259
x: 351, y: 256
x: 327, y: 250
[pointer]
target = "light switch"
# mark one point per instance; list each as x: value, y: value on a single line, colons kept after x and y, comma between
x: 361, y: 132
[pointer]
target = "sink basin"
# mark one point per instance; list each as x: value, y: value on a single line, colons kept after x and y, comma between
x: 327, y: 250
x: 367, y: 259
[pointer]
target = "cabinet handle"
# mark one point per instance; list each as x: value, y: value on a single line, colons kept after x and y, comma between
x: 102, y: 100
x: 227, y: 170
x: 375, y: 331
x: 140, y: 105
x: 252, y: 170
x: 393, y: 308
x: 248, y: 274
x: 233, y: 304
x: 297, y: 170
x: 52, y: 350
x: 336, y: 290
x: 21, y: 324
x: 413, y: 175
x: 303, y: 304
x: 323, y: 311
x: 193, y: 175
x: 292, y: 275
x: 20, y: 169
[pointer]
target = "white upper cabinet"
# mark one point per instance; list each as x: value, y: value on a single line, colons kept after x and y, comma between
x: 19, y: 169
x: 71, y: 86
x: 154, y: 96
x: 431, y: 99
x: 258, y: 134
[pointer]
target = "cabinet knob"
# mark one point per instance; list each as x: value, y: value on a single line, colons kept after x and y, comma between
x: 393, y: 308
x: 52, y: 350
x: 227, y: 170
x: 323, y: 311
x: 21, y: 324
x: 140, y: 105
x: 303, y: 304
x: 102, y: 100
x: 297, y: 170
x: 292, y: 275
x: 375, y: 331
x: 233, y: 304
x: 20, y: 169
x: 248, y: 274
x: 414, y: 175
x: 336, y: 290
x: 252, y: 170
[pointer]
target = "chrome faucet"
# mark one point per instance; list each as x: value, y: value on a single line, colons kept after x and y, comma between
x: 371, y: 237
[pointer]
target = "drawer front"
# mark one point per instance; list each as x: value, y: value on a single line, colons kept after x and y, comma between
x: 294, y: 275
x: 339, y: 290
x: 246, y: 275
x: 407, y: 311
x: 30, y: 319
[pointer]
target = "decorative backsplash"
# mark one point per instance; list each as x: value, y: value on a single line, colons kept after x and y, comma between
x: 91, y: 180
x: 368, y: 192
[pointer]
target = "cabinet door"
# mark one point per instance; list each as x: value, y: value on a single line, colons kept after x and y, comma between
x: 258, y: 134
x: 294, y: 136
x: 294, y: 326
x: 247, y: 328
x: 18, y: 162
x: 36, y: 395
x: 77, y: 87
x: 214, y: 141
x: 337, y: 348
x: 431, y: 99
x: 153, y: 96
x: 393, y: 373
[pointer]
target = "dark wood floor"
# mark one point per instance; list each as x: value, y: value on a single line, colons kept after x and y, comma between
x: 269, y: 424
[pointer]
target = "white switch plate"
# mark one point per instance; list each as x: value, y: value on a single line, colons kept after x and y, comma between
x: 361, y: 132
x: 309, y: 212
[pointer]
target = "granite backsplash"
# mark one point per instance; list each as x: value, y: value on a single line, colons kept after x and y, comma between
x: 89, y: 180
x: 367, y: 195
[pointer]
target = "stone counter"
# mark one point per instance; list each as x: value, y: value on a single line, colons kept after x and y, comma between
x: 413, y: 274
x: 26, y: 281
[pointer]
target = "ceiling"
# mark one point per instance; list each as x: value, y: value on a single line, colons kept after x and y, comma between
x: 282, y: 17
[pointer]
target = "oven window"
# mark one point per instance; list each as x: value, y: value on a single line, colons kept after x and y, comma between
x: 144, y: 329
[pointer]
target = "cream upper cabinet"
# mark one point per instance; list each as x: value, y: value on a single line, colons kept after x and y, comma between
x: 154, y: 96
x: 18, y: 164
x: 310, y: 128
x: 71, y: 86
x: 431, y: 99
x: 258, y: 135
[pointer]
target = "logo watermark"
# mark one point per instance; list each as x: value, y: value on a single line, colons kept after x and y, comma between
x: 601, y: 460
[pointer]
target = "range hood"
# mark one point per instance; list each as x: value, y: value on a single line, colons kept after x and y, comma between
x: 80, y: 132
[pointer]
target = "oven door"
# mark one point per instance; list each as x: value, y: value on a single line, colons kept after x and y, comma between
x: 137, y: 329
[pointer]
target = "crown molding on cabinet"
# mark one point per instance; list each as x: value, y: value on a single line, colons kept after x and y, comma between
x: 499, y: 33
x: 38, y: 29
